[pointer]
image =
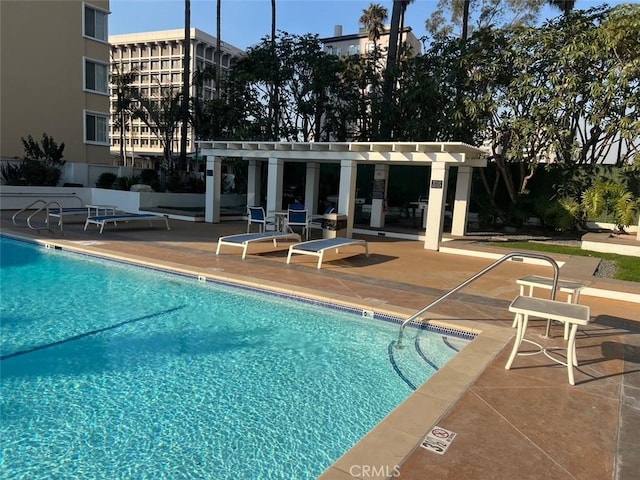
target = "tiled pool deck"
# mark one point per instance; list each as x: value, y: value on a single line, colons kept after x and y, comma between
x: 525, y: 423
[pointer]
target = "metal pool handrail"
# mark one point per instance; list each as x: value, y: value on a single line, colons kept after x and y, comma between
x: 419, y: 313
x: 44, y: 205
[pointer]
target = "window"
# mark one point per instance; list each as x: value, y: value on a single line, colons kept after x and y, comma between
x: 95, y: 76
x: 96, y: 128
x: 354, y: 49
x: 370, y: 47
x: 95, y: 23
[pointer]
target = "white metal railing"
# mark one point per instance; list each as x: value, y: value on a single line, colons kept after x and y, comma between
x: 420, y: 313
x: 38, y: 205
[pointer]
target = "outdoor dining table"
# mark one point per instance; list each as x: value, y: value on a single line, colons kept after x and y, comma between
x: 280, y: 217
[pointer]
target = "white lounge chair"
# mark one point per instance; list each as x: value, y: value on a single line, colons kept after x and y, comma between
x: 317, y: 248
x: 102, y: 220
x: 243, y: 240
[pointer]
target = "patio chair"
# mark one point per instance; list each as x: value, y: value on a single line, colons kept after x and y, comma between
x: 256, y: 215
x: 298, y: 218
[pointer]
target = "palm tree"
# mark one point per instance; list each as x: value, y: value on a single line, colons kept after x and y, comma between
x: 405, y: 4
x: 125, y: 95
x: 389, y: 76
x: 274, y: 107
x: 564, y: 5
x: 465, y: 20
x: 162, y: 115
x: 218, y: 46
x: 372, y: 20
x: 273, y: 21
x: 186, y: 77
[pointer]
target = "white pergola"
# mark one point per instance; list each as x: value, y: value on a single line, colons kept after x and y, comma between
x: 440, y: 155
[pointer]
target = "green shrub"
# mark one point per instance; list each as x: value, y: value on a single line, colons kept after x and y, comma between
x: 12, y: 174
x: 125, y: 183
x: 175, y: 183
x: 41, y: 165
x: 106, y: 180
x: 149, y: 177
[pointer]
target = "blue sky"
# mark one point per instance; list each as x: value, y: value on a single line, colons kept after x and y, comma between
x: 246, y: 22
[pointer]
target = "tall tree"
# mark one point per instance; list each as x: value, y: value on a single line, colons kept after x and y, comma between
x: 386, y: 127
x: 162, y: 115
x: 186, y: 83
x: 273, y: 20
x: 564, y: 5
x: 274, y: 101
x: 218, y: 47
x: 125, y: 95
x: 405, y: 4
x: 372, y: 20
x: 462, y: 17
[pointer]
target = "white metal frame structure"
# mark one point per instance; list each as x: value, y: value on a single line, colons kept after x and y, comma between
x: 441, y: 156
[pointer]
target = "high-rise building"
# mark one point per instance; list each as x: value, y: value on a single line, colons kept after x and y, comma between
x: 157, y: 57
x: 54, y: 58
x: 360, y: 43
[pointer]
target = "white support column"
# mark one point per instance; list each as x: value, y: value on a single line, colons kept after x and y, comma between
x: 254, y: 173
x: 461, y: 202
x: 347, y: 192
x: 380, y: 183
x: 214, y: 188
x: 312, y: 187
x: 435, y: 208
x: 274, y: 184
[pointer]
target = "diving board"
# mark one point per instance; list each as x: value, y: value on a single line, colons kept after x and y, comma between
x: 317, y: 248
x: 102, y: 220
x: 243, y: 240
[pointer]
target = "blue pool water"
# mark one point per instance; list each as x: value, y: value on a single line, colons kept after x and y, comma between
x: 112, y: 371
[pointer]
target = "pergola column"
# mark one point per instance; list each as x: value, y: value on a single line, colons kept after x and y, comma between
x: 275, y: 174
x: 461, y: 202
x: 214, y: 188
x: 436, y: 206
x: 347, y: 192
x: 312, y: 187
x: 254, y: 173
x: 380, y: 176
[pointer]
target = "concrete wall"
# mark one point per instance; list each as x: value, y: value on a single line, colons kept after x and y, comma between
x: 14, y: 198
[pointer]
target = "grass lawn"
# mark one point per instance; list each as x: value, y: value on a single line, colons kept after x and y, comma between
x: 627, y: 268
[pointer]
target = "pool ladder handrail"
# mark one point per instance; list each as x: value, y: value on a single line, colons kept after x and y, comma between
x: 44, y: 206
x: 419, y: 313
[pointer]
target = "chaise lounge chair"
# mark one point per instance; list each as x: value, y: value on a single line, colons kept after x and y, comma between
x: 317, y: 248
x: 243, y: 240
x: 102, y: 220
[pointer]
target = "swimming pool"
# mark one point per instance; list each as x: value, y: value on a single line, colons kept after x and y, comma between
x: 114, y: 371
